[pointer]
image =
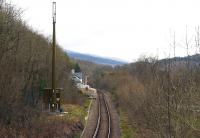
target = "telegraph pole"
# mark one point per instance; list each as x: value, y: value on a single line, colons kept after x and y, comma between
x: 52, y: 95
x: 187, y: 47
x: 54, y: 49
x: 174, y: 44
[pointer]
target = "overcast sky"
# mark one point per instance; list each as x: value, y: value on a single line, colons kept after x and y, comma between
x: 124, y: 29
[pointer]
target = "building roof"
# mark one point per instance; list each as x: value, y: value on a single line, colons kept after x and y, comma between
x: 79, y: 75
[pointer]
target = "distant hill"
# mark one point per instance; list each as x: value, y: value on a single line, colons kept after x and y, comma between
x: 193, y: 58
x: 95, y: 59
x: 177, y: 63
x: 181, y: 62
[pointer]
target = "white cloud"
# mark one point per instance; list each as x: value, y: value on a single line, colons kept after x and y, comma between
x: 115, y: 28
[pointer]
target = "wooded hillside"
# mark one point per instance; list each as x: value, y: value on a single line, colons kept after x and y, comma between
x: 25, y: 69
x: 158, y: 100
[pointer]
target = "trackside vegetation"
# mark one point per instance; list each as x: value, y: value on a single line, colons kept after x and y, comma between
x: 155, y: 98
x: 25, y: 70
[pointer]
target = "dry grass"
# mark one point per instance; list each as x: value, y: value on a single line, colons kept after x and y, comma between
x: 69, y: 124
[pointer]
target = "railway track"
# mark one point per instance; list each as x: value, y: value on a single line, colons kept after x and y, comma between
x: 103, y: 125
x: 99, y: 123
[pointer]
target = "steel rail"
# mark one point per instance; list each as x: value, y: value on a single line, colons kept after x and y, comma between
x: 109, y: 119
x: 99, y: 118
x: 102, y: 102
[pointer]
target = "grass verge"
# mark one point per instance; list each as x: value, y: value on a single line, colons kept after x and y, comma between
x: 127, y: 131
